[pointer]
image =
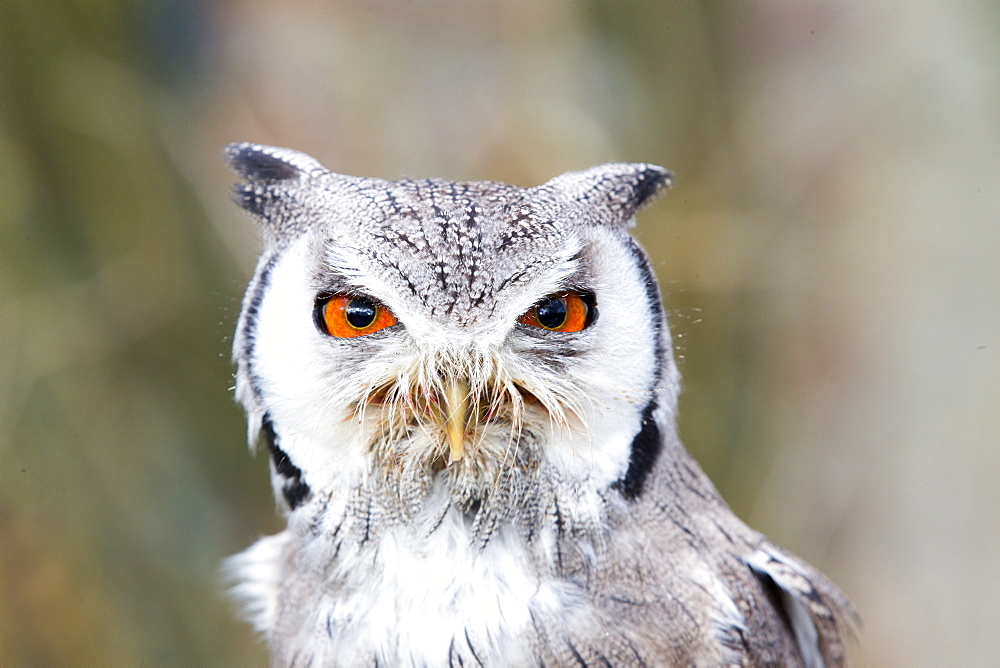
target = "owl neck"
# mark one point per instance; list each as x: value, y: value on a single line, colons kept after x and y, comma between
x: 366, y: 522
x: 420, y: 512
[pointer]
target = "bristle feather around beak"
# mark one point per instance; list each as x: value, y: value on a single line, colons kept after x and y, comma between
x: 462, y: 411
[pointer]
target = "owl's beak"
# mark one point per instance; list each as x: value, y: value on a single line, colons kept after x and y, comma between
x: 455, y: 401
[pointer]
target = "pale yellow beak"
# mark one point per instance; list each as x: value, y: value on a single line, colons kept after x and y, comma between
x: 455, y: 401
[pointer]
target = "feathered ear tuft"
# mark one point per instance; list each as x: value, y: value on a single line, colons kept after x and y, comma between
x: 289, y: 192
x: 272, y: 187
x: 269, y: 163
x: 612, y: 193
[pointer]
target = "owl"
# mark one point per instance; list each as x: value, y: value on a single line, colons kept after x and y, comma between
x: 469, y: 397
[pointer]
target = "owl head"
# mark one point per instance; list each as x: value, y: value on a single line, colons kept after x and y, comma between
x: 454, y: 340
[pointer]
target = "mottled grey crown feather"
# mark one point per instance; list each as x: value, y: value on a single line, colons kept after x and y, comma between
x: 285, y: 188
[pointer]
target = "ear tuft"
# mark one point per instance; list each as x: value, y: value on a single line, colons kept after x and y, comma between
x: 275, y: 180
x: 612, y: 193
x: 650, y: 182
x: 255, y: 162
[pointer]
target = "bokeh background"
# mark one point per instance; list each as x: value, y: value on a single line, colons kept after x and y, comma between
x: 830, y: 258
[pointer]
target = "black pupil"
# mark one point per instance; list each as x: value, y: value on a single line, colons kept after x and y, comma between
x: 551, y: 312
x: 360, y: 313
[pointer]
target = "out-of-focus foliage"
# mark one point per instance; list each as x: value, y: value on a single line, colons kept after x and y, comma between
x: 828, y: 257
x: 124, y: 479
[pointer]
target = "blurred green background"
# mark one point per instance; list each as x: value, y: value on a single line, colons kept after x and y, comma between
x: 830, y: 258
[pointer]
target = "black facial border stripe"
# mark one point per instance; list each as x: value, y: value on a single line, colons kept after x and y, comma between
x: 648, y: 442
x: 293, y: 488
x: 250, y: 322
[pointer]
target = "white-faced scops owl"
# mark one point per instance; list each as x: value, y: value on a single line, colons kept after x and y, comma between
x: 469, y: 396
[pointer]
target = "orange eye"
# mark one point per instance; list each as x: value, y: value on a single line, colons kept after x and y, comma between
x: 561, y: 312
x: 344, y: 316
